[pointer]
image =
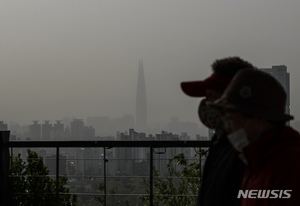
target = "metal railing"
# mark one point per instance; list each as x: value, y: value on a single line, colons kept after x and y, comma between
x: 101, y: 144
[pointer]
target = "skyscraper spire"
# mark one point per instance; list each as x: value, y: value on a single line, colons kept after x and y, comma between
x: 141, y: 101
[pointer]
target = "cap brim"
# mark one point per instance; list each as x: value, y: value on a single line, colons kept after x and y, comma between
x: 198, y: 88
x: 195, y: 88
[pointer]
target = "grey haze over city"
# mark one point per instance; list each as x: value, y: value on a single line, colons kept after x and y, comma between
x: 80, y: 58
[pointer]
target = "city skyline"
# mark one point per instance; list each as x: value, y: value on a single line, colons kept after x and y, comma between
x: 106, y: 126
x: 79, y: 59
x: 93, y: 127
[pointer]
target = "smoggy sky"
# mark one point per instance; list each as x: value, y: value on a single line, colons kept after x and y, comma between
x: 80, y: 58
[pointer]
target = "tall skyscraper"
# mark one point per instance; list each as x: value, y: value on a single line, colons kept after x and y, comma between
x: 280, y: 73
x: 141, y: 101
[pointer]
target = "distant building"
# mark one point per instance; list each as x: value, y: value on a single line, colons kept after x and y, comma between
x: 123, y: 155
x: 202, y: 138
x: 12, y: 137
x: 80, y: 161
x: 58, y: 133
x: 46, y: 130
x: 92, y: 162
x: 77, y: 126
x: 15, y: 129
x: 35, y: 131
x: 3, y: 127
x: 58, y: 126
x: 88, y: 133
x: 141, y: 168
x: 280, y: 73
x: 161, y: 156
x: 141, y: 101
x: 102, y: 125
x: 122, y: 123
x: 111, y: 163
x: 126, y: 157
x: 25, y: 130
x: 50, y: 162
x: 177, y: 127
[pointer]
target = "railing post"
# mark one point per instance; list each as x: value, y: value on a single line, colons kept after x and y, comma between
x: 4, y: 168
x: 151, y: 176
x: 104, y: 156
x: 57, y: 176
x: 200, y: 163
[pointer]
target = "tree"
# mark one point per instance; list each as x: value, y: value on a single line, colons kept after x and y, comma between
x: 178, y: 187
x: 175, y: 188
x: 102, y: 199
x: 31, y: 185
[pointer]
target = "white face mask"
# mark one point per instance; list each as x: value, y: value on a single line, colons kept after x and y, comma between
x: 239, y: 139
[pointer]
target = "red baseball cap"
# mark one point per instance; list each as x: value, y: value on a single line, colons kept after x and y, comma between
x: 198, y: 88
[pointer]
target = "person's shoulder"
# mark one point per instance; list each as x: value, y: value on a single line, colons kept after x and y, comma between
x: 287, y: 162
x: 288, y: 146
x: 291, y: 132
x: 290, y: 137
x: 285, y: 146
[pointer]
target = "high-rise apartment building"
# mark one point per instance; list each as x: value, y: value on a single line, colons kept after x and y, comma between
x: 35, y: 131
x: 162, y: 155
x: 92, y: 161
x: 280, y: 73
x: 3, y: 127
x: 77, y: 126
x: 58, y: 126
x: 80, y: 161
x: 102, y: 125
x: 88, y: 133
x: 46, y: 130
x: 124, y: 155
x: 58, y: 133
x: 141, y: 101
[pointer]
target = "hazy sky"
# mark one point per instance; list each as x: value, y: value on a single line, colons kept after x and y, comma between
x: 80, y: 58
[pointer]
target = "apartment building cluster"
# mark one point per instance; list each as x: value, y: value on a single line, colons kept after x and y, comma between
x: 46, y: 131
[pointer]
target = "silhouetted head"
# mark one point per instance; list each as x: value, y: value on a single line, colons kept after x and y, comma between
x: 254, y: 96
x: 214, y: 85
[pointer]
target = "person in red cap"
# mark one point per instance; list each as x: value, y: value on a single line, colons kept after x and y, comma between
x: 223, y: 170
x: 254, y: 105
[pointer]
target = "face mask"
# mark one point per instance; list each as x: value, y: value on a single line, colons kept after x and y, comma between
x: 239, y: 139
x: 209, y: 116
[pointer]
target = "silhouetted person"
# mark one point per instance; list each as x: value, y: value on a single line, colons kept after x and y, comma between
x: 254, y: 105
x: 223, y: 170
